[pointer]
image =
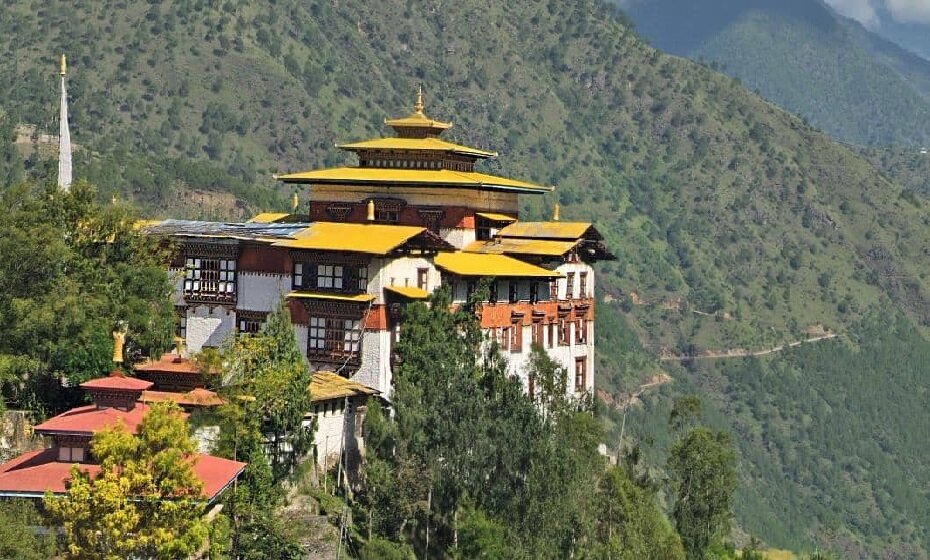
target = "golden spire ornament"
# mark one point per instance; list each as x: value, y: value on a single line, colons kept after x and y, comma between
x: 418, y: 106
x: 119, y: 340
x: 295, y: 203
x: 64, y: 66
x: 555, y: 212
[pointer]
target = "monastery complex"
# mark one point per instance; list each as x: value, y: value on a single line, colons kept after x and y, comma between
x: 413, y: 215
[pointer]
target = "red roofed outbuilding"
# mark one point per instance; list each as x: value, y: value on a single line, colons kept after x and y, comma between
x: 116, y: 400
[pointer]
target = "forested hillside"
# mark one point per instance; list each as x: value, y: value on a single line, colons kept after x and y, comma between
x: 736, y: 225
x: 845, y: 79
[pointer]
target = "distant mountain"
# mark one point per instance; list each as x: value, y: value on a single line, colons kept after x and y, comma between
x: 846, y: 80
x: 905, y: 23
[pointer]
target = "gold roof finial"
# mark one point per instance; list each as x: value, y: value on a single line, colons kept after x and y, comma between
x: 179, y: 345
x: 418, y: 106
x: 119, y: 340
x: 371, y: 210
x: 64, y: 65
x: 555, y: 212
x: 295, y: 202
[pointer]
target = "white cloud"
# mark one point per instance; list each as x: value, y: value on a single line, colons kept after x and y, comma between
x: 909, y: 11
x: 861, y: 10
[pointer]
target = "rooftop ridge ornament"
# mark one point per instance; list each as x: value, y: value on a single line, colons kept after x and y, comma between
x: 64, y: 66
x: 418, y: 105
x: 417, y: 124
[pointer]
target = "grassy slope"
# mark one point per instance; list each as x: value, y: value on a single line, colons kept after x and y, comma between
x: 847, y: 81
x: 708, y: 194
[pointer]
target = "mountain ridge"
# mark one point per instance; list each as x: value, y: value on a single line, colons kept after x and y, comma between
x: 854, y: 84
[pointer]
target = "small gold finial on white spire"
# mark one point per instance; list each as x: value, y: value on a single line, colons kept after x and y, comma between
x: 555, y: 212
x: 418, y: 106
x: 64, y: 65
x: 295, y: 202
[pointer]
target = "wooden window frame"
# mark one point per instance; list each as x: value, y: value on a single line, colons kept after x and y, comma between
x: 334, y: 338
x: 581, y: 375
x: 211, y: 279
x: 180, y: 327
x: 581, y: 331
x: 582, y: 284
x: 250, y: 322
x: 516, y: 338
x: 422, y: 278
x: 513, y: 291
x: 564, y: 329
x: 570, y: 285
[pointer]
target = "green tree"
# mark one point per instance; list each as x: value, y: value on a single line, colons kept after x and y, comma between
x: 702, y: 464
x: 146, y: 501
x: 269, y: 386
x: 69, y: 270
x: 268, y: 399
x: 630, y: 525
x: 18, y: 539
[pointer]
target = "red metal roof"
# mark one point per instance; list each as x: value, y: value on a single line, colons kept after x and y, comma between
x: 90, y: 419
x: 170, y: 363
x: 117, y: 380
x: 31, y: 474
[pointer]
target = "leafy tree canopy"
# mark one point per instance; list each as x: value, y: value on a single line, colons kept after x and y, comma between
x: 70, y: 269
x: 146, y: 500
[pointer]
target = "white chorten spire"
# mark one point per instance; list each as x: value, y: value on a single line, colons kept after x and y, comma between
x: 64, y: 135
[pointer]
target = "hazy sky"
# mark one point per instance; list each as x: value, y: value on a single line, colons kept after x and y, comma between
x: 903, y: 11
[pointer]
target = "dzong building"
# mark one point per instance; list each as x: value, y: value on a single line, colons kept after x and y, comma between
x: 414, y: 214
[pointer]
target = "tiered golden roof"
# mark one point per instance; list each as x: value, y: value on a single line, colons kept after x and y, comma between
x: 413, y: 177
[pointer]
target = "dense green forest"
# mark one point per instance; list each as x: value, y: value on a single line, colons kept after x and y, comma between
x: 735, y: 224
x: 842, y: 77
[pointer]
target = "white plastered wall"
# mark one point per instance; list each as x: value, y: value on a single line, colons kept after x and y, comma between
x: 208, y: 325
x: 335, y: 428
x: 261, y: 291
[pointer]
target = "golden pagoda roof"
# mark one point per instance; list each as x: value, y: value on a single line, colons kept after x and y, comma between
x: 431, y: 144
x: 546, y: 230
x: 477, y: 264
x: 417, y: 119
x: 414, y: 177
x: 376, y: 239
x: 517, y: 246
